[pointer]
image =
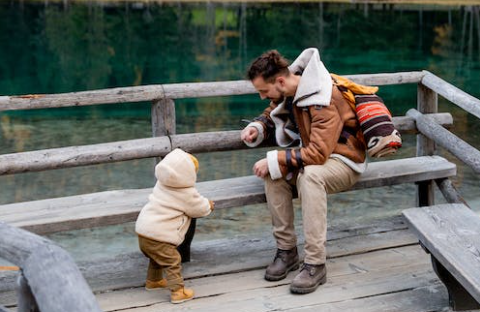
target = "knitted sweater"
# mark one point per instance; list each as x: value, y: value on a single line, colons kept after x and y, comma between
x: 173, y: 201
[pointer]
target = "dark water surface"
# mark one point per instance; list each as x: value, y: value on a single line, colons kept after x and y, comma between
x: 53, y: 47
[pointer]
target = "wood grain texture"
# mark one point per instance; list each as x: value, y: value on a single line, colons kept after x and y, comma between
x: 170, y: 91
x: 427, y: 103
x: 452, y: 93
x: 243, y: 253
x: 75, y: 156
x: 49, y: 271
x: 115, y: 207
x: 351, y: 278
x: 461, y: 149
x: 450, y: 192
x: 451, y: 232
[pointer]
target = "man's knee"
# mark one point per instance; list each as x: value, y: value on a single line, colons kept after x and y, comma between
x: 313, y: 175
x: 281, y: 184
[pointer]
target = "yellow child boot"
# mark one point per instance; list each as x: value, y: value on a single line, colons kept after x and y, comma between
x: 152, y: 285
x: 181, y: 295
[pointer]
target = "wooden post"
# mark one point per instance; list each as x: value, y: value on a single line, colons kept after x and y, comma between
x: 163, y: 124
x: 163, y: 119
x: 427, y: 102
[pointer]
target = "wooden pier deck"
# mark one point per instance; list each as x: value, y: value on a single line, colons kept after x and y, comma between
x: 375, y: 267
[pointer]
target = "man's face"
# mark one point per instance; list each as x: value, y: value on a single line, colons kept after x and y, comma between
x: 268, y: 90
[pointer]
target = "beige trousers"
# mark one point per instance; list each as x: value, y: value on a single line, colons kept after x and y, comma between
x: 164, y: 259
x: 312, y: 186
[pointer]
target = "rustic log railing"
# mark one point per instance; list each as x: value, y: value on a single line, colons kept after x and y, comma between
x: 163, y: 122
x: 66, y: 157
x: 165, y: 92
x: 49, y: 278
x: 162, y: 97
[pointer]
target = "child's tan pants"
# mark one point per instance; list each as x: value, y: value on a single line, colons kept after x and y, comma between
x: 164, y: 258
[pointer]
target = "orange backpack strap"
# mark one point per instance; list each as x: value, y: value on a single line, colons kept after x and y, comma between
x: 339, y: 81
x: 355, y: 88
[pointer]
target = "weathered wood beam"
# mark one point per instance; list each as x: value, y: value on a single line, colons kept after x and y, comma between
x: 427, y: 103
x: 461, y: 149
x: 450, y: 193
x: 3, y: 309
x: 75, y: 156
x: 120, y: 206
x: 387, y: 78
x: 406, y: 124
x: 26, y: 299
x: 214, y: 256
x: 169, y: 91
x: 51, y: 273
x: 450, y: 233
x: 163, y: 119
x: 452, y: 93
x: 208, y: 141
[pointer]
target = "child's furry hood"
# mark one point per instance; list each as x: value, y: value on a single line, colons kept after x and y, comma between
x: 176, y: 170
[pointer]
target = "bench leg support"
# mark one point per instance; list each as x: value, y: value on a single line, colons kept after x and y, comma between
x: 425, y: 193
x: 184, y: 247
x: 458, y: 297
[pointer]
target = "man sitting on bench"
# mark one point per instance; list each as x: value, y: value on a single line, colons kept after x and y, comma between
x: 307, y: 112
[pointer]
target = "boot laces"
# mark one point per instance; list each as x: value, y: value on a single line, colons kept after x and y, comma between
x: 282, y: 254
x: 311, y: 269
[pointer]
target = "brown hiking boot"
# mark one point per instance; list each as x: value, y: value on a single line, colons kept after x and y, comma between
x: 310, y: 277
x: 181, y: 295
x: 153, y: 285
x: 284, y: 262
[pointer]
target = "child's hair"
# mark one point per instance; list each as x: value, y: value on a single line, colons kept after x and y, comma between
x: 269, y: 65
x: 195, y: 161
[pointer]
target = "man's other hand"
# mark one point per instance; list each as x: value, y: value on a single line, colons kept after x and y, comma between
x: 249, y: 134
x: 260, y: 169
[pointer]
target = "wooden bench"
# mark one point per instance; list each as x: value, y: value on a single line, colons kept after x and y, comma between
x: 451, y: 234
x: 116, y: 207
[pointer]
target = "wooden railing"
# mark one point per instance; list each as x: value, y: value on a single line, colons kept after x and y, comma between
x: 165, y: 139
x: 49, y: 279
x: 163, y: 122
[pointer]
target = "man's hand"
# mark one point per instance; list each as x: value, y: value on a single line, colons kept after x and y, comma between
x: 261, y: 168
x: 249, y: 134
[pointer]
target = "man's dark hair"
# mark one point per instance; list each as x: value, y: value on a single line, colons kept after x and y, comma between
x: 269, y: 65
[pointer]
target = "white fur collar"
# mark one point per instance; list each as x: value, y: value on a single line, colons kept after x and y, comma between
x: 315, y: 87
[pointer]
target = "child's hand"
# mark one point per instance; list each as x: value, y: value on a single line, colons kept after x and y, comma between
x: 212, y: 205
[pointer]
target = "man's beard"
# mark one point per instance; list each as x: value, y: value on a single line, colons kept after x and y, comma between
x: 279, y: 99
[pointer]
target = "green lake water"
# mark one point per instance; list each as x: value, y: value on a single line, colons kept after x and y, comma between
x: 65, y: 47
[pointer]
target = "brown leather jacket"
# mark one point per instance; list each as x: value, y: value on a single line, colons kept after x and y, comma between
x: 323, y: 130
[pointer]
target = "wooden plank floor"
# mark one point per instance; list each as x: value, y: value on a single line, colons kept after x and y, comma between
x: 395, y: 279
x: 380, y: 271
x: 372, y: 267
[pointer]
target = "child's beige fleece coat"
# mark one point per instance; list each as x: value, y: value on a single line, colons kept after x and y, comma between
x: 173, y: 201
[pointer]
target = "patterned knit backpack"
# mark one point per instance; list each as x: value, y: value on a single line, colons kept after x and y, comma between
x: 375, y: 119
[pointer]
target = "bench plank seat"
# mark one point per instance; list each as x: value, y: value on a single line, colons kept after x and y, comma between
x: 115, y: 207
x: 451, y: 234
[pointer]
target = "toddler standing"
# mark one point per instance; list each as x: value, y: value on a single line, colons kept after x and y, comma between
x: 164, y: 220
